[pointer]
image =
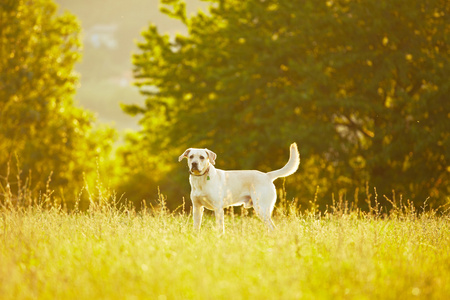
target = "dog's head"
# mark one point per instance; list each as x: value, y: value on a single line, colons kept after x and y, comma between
x: 199, y: 160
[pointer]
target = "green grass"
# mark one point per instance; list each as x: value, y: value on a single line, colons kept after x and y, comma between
x: 108, y: 253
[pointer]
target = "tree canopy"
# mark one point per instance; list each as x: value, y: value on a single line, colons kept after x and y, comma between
x: 361, y: 86
x: 41, y: 131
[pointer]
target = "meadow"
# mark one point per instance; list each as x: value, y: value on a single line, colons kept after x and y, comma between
x: 118, y: 253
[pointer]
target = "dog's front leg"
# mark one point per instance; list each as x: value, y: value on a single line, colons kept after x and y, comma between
x: 198, y: 213
x: 219, y: 220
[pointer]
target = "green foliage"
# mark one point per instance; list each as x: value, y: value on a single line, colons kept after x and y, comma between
x: 41, y: 131
x: 361, y: 86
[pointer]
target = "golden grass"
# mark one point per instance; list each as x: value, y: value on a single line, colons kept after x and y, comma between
x: 110, y: 253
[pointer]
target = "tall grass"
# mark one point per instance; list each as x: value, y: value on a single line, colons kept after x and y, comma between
x: 114, y: 252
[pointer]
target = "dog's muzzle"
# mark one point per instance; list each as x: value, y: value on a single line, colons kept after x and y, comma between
x: 196, y: 172
x: 194, y: 169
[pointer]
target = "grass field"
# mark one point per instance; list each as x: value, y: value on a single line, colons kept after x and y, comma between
x: 107, y: 253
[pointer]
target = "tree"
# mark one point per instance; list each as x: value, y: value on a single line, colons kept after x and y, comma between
x: 360, y: 85
x: 39, y: 124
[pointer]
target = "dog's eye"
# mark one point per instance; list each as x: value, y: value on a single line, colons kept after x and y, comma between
x: 191, y: 157
x: 202, y: 158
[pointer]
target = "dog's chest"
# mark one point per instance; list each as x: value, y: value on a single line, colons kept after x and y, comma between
x: 201, y: 191
x: 200, y: 185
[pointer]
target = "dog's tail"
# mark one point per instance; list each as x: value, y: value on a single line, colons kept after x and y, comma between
x: 290, y: 167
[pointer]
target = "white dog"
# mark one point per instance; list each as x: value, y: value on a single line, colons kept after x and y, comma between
x: 216, y: 189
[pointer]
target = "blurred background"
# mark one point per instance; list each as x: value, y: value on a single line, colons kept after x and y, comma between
x: 109, y: 32
x: 99, y: 98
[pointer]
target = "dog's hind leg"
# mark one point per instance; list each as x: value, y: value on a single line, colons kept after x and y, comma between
x: 265, y: 216
x: 263, y: 203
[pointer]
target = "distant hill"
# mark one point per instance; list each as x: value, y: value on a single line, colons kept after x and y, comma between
x: 110, y: 31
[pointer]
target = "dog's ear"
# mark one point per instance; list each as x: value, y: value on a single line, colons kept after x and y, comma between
x: 212, y: 156
x: 185, y: 154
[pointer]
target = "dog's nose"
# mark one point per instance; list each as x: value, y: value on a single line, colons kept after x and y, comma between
x: 194, y: 165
